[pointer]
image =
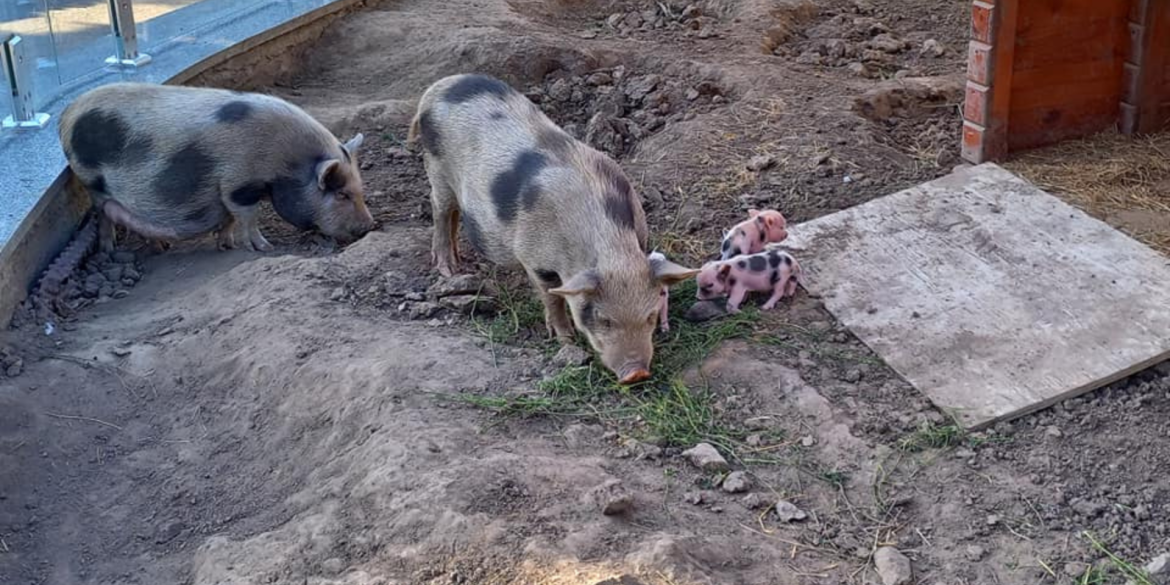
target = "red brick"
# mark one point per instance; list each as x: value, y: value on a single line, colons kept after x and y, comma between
x: 982, y: 22
x: 976, y: 103
x: 979, y: 62
x: 973, y: 143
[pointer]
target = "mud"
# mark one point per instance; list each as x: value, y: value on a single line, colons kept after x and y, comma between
x: 332, y: 416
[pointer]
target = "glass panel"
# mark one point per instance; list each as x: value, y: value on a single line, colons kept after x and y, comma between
x: 30, y: 20
x: 160, y: 21
x: 81, y: 35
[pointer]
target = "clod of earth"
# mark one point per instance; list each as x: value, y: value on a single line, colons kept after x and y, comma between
x: 753, y: 502
x: 893, y: 566
x: 788, y: 512
x: 570, y: 355
x: 761, y: 162
x: 460, y: 284
x: 612, y: 498
x: 706, y: 457
x: 468, y: 304
x: 737, y: 482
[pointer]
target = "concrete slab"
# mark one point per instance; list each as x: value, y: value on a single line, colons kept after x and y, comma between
x: 991, y: 297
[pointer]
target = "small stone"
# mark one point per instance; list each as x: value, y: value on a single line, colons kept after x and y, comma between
x: 587, y: 34
x: 754, y: 440
x: 704, y: 311
x: 694, y: 498
x: 759, y: 423
x: 15, y: 369
x: 600, y: 78
x: 123, y: 257
x: 706, y: 457
x: 1053, y: 431
x: 570, y: 355
x: 753, y: 502
x: 612, y: 498
x: 169, y: 532
x: 121, y: 293
x: 130, y: 282
x: 788, y: 512
x: 639, y: 88
x: 810, y: 58
x: 415, y: 296
x: 423, y: 310
x: 691, y: 12
x: 333, y: 566
x: 1159, y: 567
x: 396, y: 283
x: 761, y: 162
x: 853, y: 376
x: 1089, y: 508
x: 692, y: 94
x: 337, y: 294
x: 467, y: 304
x: 808, y: 441
x: 887, y: 43
x: 615, y: 20
x: 706, y: 32
x: 1075, y: 569
x: 859, y: 69
x: 736, y: 482
x: 460, y: 284
x: 121, y: 351
x: 975, y: 552
x: 993, y: 520
x: 113, y: 273
x: 933, y: 48
x: 893, y: 566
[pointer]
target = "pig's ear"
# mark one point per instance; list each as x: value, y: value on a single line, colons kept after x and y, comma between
x: 583, y: 283
x: 668, y: 273
x: 724, y: 271
x: 329, y: 175
x: 752, y: 213
x: 354, y: 144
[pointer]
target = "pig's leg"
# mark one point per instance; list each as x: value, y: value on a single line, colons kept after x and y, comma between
x: 226, y: 238
x: 778, y: 291
x: 107, y: 233
x: 663, y: 319
x: 556, y: 312
x: 738, y: 293
x: 445, y: 211
x: 245, y: 218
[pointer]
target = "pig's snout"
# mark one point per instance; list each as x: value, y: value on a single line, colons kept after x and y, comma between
x: 634, y: 373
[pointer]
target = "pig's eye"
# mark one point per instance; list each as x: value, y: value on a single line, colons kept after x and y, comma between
x: 342, y: 195
x: 605, y: 323
x: 651, y: 318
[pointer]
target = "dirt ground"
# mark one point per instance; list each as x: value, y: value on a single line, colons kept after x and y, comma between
x: 340, y: 416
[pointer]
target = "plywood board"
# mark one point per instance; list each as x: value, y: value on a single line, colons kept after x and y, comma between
x: 991, y: 297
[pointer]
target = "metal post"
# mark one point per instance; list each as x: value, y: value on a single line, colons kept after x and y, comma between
x: 17, y: 68
x: 125, y: 36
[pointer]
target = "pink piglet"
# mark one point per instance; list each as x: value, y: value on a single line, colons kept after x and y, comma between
x: 663, y: 321
x: 770, y: 271
x: 750, y: 236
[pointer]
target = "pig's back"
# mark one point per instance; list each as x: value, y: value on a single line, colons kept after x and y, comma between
x: 525, y: 186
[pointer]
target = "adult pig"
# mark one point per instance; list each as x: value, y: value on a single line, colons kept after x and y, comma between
x: 527, y: 194
x: 172, y: 163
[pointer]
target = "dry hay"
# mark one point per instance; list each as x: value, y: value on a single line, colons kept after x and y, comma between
x: 1121, y: 180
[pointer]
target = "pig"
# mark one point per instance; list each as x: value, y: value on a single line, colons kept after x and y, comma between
x: 771, y: 271
x: 528, y: 195
x: 173, y: 163
x: 663, y: 319
x: 751, y: 235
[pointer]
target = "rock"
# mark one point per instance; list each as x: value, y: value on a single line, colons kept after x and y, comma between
x: 694, y: 498
x: 754, y: 502
x: 561, y: 90
x: 128, y: 282
x: 131, y: 274
x: 706, y: 32
x: 600, y: 78
x: 807, y: 441
x: 121, y: 293
x: 736, y: 482
x: 933, y: 48
x: 396, y: 283
x: 704, y: 311
x: 639, y: 88
x: 810, y: 58
x: 1089, y: 508
x: 332, y: 566
x: 113, y: 273
x: 1158, y: 569
x: 423, y: 310
x: 468, y: 304
x: 893, y: 566
x: 692, y: 94
x: 169, y: 532
x: 612, y: 498
x: 93, y: 285
x: 337, y: 294
x: 123, y: 257
x: 992, y: 520
x: 706, y: 457
x: 460, y: 284
x: 759, y: 423
x: 859, y: 69
x: 604, y: 133
x: 887, y: 43
x: 15, y: 368
x: 1053, y: 431
x: 909, y: 96
x: 853, y: 376
x: 691, y: 12
x: 1075, y: 569
x: 975, y: 552
x: 788, y: 512
x: 761, y: 162
x: 615, y: 20
x: 570, y: 355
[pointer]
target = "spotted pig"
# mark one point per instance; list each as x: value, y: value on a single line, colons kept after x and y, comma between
x: 751, y: 235
x: 172, y: 163
x: 771, y: 271
x: 527, y: 194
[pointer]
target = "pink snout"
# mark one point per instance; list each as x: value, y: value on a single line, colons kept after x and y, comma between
x: 632, y: 374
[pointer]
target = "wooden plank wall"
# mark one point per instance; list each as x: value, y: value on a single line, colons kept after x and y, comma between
x: 1067, y: 69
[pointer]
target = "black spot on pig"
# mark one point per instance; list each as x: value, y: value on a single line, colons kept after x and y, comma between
x: 548, y: 278
x: 774, y: 258
x: 497, y: 115
x: 430, y: 135
x: 345, y: 152
x: 588, y: 315
x: 742, y: 233
x: 290, y: 202
x: 742, y: 264
x: 473, y: 86
x: 517, y: 187
x: 234, y: 111
x: 97, y: 185
x: 757, y: 263
x: 619, y: 196
x: 726, y: 246
x: 736, y: 251
x: 250, y: 194
x: 619, y: 210
x: 775, y: 276
x: 473, y: 233
x: 100, y: 138
x: 787, y: 260
x: 762, y: 240
x: 731, y: 282
x: 187, y: 173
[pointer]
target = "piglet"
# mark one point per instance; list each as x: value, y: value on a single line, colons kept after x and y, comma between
x: 773, y: 270
x: 750, y: 236
x: 663, y: 321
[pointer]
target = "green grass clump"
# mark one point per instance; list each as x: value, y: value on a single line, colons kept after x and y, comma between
x: 931, y: 436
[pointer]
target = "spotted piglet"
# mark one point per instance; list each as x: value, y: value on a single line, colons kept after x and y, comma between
x: 173, y: 163
x: 663, y: 317
x: 750, y: 236
x: 771, y: 271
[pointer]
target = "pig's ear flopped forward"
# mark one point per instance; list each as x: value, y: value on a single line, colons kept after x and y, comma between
x: 583, y: 283
x: 354, y: 145
x: 328, y: 175
x: 668, y: 273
